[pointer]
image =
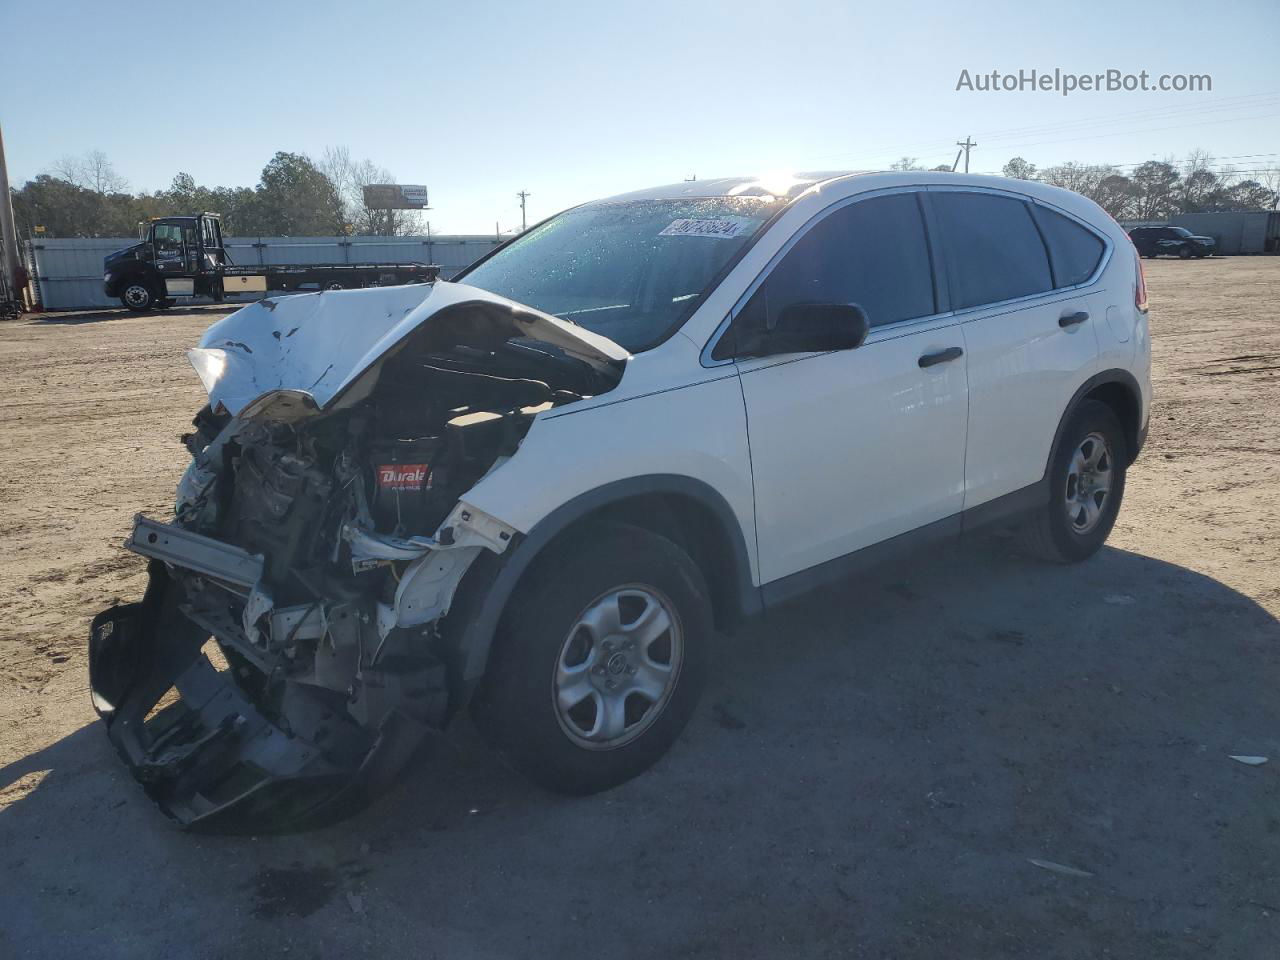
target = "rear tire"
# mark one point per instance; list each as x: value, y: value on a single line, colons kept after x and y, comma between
x: 599, y: 662
x: 137, y: 296
x: 1184, y: 253
x: 1086, y: 488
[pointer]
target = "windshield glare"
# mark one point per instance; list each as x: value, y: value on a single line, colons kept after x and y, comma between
x: 632, y: 270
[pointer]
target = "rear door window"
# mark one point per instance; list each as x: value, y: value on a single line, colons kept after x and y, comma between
x: 1074, y: 251
x: 994, y: 251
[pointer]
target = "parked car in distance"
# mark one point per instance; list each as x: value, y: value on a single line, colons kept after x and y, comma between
x: 1171, y: 242
x: 539, y: 492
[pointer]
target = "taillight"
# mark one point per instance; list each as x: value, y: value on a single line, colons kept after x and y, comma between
x: 1140, y: 288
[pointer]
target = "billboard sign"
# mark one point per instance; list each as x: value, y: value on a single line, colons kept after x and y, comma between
x: 395, y: 196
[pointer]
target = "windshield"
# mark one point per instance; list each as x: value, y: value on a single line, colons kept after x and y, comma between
x: 631, y: 270
x: 1181, y: 231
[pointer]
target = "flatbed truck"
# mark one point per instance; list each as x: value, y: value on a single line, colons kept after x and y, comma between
x: 185, y: 257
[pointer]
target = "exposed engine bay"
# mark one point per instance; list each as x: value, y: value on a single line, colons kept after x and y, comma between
x: 318, y: 540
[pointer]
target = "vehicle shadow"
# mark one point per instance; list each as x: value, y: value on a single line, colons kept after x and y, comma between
x: 873, y: 769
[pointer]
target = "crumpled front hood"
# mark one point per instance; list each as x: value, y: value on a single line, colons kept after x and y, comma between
x: 318, y: 345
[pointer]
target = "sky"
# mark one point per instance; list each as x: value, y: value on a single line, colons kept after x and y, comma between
x: 576, y: 100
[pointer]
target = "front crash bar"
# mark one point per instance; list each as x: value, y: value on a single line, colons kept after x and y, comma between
x: 192, y: 551
x: 211, y: 759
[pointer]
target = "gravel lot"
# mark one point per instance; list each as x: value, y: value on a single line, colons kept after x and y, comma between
x: 872, y: 772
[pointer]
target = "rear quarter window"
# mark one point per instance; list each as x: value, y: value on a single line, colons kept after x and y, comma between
x: 994, y: 251
x: 1074, y: 251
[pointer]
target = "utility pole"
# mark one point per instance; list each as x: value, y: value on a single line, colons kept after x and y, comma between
x: 523, y: 195
x: 965, y: 145
x: 8, y: 237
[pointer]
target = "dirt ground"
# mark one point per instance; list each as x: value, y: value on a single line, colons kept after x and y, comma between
x: 871, y: 774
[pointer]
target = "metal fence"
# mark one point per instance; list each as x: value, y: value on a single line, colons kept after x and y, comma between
x: 68, y: 272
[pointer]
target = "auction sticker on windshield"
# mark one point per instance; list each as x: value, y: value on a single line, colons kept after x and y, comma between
x: 725, y: 228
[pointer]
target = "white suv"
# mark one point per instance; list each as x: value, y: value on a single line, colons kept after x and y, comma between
x: 541, y: 489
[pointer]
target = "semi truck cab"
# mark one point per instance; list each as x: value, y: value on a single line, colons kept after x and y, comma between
x: 174, y: 257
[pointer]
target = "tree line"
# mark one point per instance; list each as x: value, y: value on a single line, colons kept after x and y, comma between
x: 1160, y: 189
x: 1155, y: 190
x: 298, y: 197
x: 294, y: 197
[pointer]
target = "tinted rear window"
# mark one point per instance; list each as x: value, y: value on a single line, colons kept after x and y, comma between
x: 1074, y: 252
x: 994, y: 250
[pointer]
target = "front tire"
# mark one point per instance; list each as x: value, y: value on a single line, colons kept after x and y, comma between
x: 1086, y: 488
x: 137, y: 296
x: 1184, y: 253
x: 599, y: 662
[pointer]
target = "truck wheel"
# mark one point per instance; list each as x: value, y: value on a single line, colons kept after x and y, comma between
x: 1086, y: 487
x: 137, y: 296
x: 600, y: 660
x: 1184, y: 252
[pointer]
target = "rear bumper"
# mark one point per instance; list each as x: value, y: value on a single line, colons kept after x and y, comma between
x: 212, y: 759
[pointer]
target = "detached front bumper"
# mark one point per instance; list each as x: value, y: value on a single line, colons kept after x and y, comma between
x: 210, y: 758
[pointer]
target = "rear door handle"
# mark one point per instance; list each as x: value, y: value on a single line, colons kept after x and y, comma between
x: 1072, y: 319
x: 942, y: 356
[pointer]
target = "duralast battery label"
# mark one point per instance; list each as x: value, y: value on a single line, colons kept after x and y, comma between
x: 404, y: 476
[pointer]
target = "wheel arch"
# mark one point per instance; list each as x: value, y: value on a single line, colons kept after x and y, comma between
x: 1119, y: 390
x: 688, y: 511
x: 127, y: 274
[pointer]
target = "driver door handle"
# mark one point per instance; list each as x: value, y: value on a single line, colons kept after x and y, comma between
x: 1072, y: 319
x: 942, y: 356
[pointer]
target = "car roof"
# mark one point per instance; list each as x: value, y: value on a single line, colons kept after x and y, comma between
x: 782, y: 185
x: 794, y: 186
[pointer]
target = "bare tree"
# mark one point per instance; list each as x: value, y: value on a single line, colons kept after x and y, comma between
x: 1155, y: 190
x: 905, y: 163
x: 1114, y: 194
x: 1019, y: 169
x: 351, y: 176
x: 91, y: 171
x: 1199, y: 186
x: 1270, y: 181
x: 1080, y: 177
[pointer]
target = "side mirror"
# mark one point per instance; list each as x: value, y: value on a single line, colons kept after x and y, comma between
x: 818, y: 327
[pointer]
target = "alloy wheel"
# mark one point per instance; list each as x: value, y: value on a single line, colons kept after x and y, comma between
x: 617, y: 667
x: 1088, y: 483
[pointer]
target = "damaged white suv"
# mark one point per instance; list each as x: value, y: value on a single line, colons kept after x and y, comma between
x: 540, y: 490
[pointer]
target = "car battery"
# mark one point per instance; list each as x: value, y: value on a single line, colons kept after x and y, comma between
x: 404, y: 478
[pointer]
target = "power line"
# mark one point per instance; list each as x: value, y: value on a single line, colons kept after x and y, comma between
x: 1117, y: 133
x: 966, y: 145
x: 1150, y: 115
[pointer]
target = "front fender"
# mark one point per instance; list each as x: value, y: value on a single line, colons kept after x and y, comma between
x: 670, y: 427
x: 482, y: 597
